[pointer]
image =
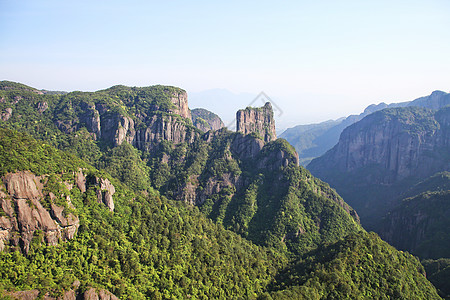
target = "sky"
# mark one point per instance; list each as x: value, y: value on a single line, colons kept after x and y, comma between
x: 317, y: 60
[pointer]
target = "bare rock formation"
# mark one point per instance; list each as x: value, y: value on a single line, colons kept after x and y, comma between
x: 259, y: 121
x: 6, y: 115
x: 396, y: 143
x: 105, y: 192
x: 25, y: 214
x: 29, y: 209
x: 180, y: 101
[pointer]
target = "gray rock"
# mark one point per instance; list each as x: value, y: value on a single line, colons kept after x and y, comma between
x: 257, y: 120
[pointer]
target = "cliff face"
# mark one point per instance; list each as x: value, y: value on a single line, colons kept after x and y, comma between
x: 314, y: 140
x: 24, y: 213
x: 379, y: 157
x: 30, y: 207
x: 248, y: 180
x: 257, y: 120
x: 142, y: 118
x: 250, y: 186
x: 206, y: 120
x: 398, y: 141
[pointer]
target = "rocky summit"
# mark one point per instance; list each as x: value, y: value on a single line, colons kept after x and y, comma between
x: 259, y: 121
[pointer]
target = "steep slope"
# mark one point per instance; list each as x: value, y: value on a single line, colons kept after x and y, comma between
x: 255, y: 189
x: 237, y: 179
x: 420, y: 225
x: 381, y: 156
x: 259, y: 121
x: 314, y: 140
x: 139, y: 116
x: 205, y: 120
x: 361, y: 266
x: 438, y: 272
x: 150, y: 247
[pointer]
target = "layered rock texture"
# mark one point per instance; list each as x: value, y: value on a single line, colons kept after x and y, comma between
x: 313, y: 140
x: 139, y: 116
x: 31, y: 205
x: 379, y: 157
x: 25, y: 215
x: 205, y: 120
x: 258, y: 121
x: 288, y: 222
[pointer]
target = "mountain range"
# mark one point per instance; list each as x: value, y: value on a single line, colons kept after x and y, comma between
x: 392, y: 167
x: 116, y: 194
x: 314, y: 140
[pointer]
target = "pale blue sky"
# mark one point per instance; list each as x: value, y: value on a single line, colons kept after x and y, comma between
x: 317, y: 59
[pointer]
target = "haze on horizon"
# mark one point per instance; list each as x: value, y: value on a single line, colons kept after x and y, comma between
x: 318, y: 60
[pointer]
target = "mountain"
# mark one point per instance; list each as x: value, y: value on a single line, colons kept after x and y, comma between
x: 205, y: 120
x: 419, y: 225
x: 147, y: 247
x: 221, y: 101
x: 438, y: 272
x: 151, y: 247
x: 247, y: 219
x: 314, y: 140
x: 258, y: 121
x: 380, y: 157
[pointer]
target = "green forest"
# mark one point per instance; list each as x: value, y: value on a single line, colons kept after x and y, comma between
x: 205, y: 218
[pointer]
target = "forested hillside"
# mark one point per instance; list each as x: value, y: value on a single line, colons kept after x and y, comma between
x: 173, y: 213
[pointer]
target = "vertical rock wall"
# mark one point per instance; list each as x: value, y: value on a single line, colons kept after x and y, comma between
x: 257, y: 120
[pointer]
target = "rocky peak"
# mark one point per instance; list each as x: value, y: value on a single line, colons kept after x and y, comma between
x: 180, y: 100
x: 259, y: 121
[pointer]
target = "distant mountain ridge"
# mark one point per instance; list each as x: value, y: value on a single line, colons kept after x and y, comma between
x: 206, y: 120
x: 314, y: 140
x: 381, y: 156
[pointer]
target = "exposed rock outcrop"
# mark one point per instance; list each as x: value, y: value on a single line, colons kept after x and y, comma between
x: 314, y: 140
x: 245, y: 146
x: 180, y: 101
x: 25, y: 214
x: 259, y: 121
x: 6, y: 115
x: 159, y: 128
x: 42, y: 106
x: 380, y: 157
x: 105, y: 192
x: 397, y: 142
x: 30, y: 208
x: 205, y: 120
x: 141, y: 129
